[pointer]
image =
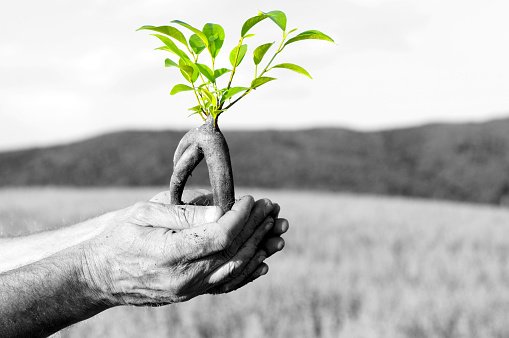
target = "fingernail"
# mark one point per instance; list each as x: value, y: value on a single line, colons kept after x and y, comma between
x: 280, y: 245
x: 261, y: 259
x: 269, y: 226
x: 264, y: 270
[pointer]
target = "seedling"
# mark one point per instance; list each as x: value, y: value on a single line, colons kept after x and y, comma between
x: 212, y: 100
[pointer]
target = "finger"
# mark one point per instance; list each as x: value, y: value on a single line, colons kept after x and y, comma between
x: 281, y: 226
x: 275, y: 212
x: 232, y: 268
x: 247, y: 270
x: 261, y: 270
x: 259, y: 213
x: 162, y: 197
x: 198, y: 197
x: 272, y: 245
x: 234, y: 220
x: 207, y: 239
x: 272, y: 242
x: 174, y: 217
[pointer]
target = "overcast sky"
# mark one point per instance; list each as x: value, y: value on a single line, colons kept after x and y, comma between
x: 70, y: 70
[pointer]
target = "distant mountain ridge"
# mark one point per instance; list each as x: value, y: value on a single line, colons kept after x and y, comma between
x: 466, y: 162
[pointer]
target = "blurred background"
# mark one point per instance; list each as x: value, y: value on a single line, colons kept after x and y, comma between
x: 391, y: 164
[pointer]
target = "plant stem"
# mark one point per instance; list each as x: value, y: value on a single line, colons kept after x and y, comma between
x: 279, y: 49
x: 235, y: 63
x: 199, y: 103
x: 196, y: 61
x: 256, y: 67
x: 214, y: 83
x: 245, y: 93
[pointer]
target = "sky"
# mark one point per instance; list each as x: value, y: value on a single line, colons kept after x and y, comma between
x: 71, y: 70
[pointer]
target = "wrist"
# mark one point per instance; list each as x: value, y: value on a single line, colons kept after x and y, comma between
x: 93, y: 275
x: 55, y: 285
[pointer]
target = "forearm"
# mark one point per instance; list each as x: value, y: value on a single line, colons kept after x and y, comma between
x: 41, y: 245
x: 41, y: 298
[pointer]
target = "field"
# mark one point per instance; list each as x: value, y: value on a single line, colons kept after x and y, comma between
x: 354, y: 266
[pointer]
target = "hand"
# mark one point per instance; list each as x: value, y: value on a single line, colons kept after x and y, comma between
x: 153, y: 254
x: 271, y: 243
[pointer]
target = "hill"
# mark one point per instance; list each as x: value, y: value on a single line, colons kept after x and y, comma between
x: 466, y: 162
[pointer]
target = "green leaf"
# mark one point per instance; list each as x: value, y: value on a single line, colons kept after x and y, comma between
x: 189, y: 72
x: 184, y: 65
x: 293, y: 30
x: 195, y: 109
x: 215, y: 112
x: 233, y: 91
x: 307, y: 35
x: 205, y: 70
x: 260, y: 80
x: 171, y: 47
x: 168, y: 30
x: 233, y: 55
x: 248, y: 36
x: 215, y: 35
x: 251, y: 22
x: 180, y: 88
x: 169, y: 63
x: 209, y: 96
x: 221, y: 71
x: 260, y: 51
x: 196, y: 112
x: 194, y: 30
x: 293, y: 67
x: 279, y: 18
x: 197, y: 45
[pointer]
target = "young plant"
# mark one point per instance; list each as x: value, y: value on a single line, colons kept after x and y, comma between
x: 212, y: 100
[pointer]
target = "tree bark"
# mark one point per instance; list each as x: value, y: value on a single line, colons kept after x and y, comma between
x: 206, y: 141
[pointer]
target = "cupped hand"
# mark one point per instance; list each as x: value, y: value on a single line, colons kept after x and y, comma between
x: 272, y: 242
x: 154, y: 253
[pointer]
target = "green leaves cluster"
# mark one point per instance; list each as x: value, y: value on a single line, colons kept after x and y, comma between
x: 202, y: 79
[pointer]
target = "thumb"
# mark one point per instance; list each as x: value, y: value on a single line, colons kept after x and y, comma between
x: 175, y: 217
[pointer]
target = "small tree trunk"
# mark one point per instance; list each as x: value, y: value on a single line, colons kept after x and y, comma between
x: 207, y: 142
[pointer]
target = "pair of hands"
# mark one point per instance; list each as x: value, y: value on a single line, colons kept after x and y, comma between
x: 154, y: 253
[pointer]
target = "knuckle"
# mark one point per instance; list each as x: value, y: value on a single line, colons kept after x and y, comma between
x: 267, y: 204
x: 249, y: 198
x: 267, y: 201
x: 251, y: 247
x: 229, y: 252
x: 262, y: 208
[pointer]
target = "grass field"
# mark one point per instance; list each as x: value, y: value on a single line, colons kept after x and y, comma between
x: 354, y: 266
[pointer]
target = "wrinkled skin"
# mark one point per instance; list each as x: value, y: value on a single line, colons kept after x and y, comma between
x: 154, y: 253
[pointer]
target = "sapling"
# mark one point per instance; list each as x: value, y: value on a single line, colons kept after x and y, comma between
x: 207, y: 141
